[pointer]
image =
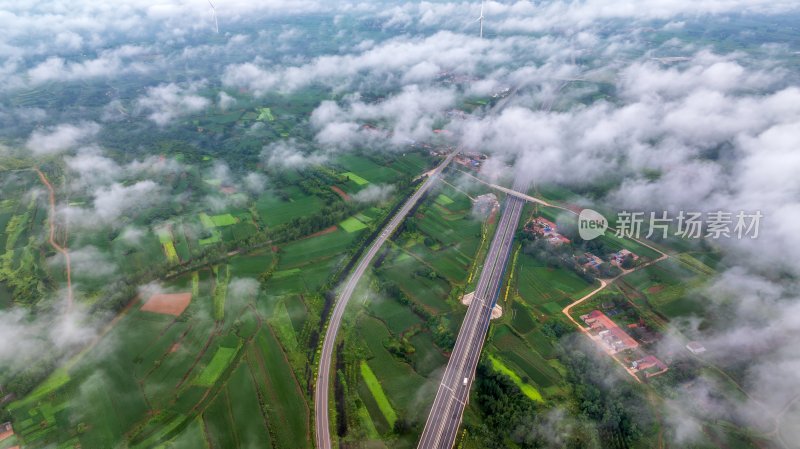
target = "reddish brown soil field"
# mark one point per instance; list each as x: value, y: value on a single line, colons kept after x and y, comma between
x: 322, y: 232
x: 655, y: 289
x: 341, y: 193
x: 168, y: 303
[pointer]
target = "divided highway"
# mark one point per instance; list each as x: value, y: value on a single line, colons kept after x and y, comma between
x: 323, y: 375
x: 451, y: 398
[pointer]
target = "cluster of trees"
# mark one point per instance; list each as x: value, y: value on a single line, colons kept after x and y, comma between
x: 319, y: 182
x: 21, y: 278
x: 561, y: 256
x: 556, y: 256
x: 556, y: 329
x: 302, y: 226
x: 400, y: 347
x: 603, y: 414
x: 618, y: 409
x: 442, y: 335
x: 508, y: 415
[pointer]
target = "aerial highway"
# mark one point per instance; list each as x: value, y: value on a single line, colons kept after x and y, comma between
x: 323, y: 373
x: 451, y: 398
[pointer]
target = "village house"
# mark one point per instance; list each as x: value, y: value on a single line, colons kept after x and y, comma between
x: 648, y: 362
x: 695, y: 348
x: 592, y: 261
x: 612, y: 336
x: 547, y: 229
x: 618, y: 257
x: 6, y: 431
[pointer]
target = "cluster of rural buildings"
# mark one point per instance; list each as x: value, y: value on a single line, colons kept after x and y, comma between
x: 618, y: 257
x: 592, y: 261
x: 546, y: 229
x: 616, y: 340
x: 472, y: 160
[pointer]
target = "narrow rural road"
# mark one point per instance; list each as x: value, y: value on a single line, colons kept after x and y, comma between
x: 322, y: 388
x: 52, y: 238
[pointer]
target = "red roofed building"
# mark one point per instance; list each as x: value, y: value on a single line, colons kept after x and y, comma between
x: 6, y: 431
x: 612, y: 335
x: 549, y: 230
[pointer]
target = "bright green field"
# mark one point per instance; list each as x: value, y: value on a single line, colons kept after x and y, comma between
x: 367, y: 169
x: 529, y: 390
x: 222, y: 358
x: 206, y: 220
x: 169, y: 250
x: 355, y: 178
x: 265, y: 114
x: 443, y: 200
x: 352, y: 224
x: 398, y: 378
x: 223, y: 220
x: 377, y: 392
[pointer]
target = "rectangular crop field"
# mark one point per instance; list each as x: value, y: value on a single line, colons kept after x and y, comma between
x: 355, y: 178
x: 377, y: 392
x: 366, y: 169
x: 223, y: 220
x: 206, y: 220
x: 169, y: 251
x: 539, y: 284
x: 275, y: 211
x: 303, y: 251
x: 222, y: 358
x: 352, y: 224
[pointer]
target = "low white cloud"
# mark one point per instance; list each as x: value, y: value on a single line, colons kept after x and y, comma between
x: 374, y: 193
x: 405, y: 117
x: 166, y: 102
x: 61, y: 138
x: 290, y: 154
x: 226, y: 101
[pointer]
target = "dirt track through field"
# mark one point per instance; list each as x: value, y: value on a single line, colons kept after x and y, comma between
x: 52, y: 239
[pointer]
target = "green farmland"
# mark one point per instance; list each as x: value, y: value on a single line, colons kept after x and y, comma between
x: 375, y: 388
x: 210, y: 374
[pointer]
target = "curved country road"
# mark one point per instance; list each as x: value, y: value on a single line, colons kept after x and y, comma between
x: 322, y: 425
x: 52, y: 238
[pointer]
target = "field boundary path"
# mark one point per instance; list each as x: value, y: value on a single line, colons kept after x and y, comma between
x: 52, y: 238
x: 321, y: 390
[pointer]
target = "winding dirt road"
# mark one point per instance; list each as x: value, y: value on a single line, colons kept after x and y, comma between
x: 52, y: 239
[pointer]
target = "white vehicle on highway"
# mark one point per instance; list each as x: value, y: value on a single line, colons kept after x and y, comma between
x: 466, y: 379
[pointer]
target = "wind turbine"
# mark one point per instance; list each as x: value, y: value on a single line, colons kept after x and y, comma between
x: 480, y: 19
x: 214, y: 12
